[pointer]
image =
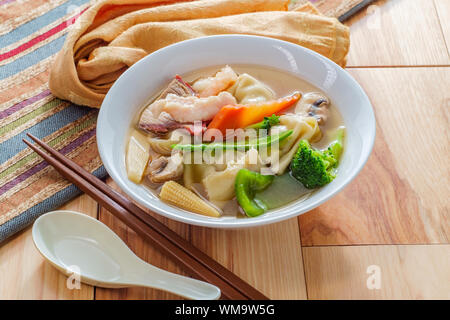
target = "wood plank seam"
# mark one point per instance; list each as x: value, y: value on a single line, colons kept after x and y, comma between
x: 303, y: 260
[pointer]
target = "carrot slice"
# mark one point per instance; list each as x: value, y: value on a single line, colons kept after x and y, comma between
x: 226, y: 118
x: 241, y: 116
x: 255, y: 113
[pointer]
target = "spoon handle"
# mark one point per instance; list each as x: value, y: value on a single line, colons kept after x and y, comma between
x: 153, y: 277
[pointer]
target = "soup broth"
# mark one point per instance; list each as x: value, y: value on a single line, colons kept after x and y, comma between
x: 283, y: 84
x: 284, y: 187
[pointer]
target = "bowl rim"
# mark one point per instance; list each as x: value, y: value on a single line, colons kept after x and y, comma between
x: 246, y: 222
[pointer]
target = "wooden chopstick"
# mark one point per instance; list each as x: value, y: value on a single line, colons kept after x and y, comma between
x: 192, y: 265
x: 194, y: 260
x: 204, y: 259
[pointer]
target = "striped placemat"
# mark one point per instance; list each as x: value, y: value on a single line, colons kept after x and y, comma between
x: 31, y: 33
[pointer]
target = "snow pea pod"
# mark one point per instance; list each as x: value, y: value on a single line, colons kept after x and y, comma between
x: 263, y: 142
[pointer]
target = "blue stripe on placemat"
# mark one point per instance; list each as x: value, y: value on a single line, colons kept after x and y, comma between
x: 31, y: 58
x: 34, y: 25
x: 57, y: 200
x: 47, y: 126
x: 11, y: 147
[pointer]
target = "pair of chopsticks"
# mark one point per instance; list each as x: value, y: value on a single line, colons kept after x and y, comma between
x: 197, y: 263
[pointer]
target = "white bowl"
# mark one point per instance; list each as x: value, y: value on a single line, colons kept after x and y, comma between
x: 140, y: 82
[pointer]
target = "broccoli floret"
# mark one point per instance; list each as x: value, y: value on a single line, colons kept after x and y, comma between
x: 315, y: 168
x: 268, y: 122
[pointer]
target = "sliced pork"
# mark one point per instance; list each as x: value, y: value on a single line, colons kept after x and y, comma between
x: 177, y: 87
x: 154, y: 119
x: 157, y: 123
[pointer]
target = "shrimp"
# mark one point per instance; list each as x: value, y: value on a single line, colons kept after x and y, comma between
x: 211, y: 86
x: 190, y: 109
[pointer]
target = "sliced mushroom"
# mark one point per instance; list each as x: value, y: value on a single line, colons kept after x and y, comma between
x: 163, y: 146
x: 166, y: 168
x: 314, y: 104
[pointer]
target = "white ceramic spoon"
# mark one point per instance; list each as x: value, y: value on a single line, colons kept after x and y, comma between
x: 70, y: 240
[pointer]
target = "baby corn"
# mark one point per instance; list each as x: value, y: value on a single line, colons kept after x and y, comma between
x: 182, y: 197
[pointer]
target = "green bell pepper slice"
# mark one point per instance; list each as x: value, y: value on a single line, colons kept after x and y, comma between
x: 247, y: 183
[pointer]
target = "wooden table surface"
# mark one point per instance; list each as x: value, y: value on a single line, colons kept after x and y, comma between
x: 393, y: 218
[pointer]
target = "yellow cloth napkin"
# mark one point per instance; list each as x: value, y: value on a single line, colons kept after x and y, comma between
x: 114, y: 34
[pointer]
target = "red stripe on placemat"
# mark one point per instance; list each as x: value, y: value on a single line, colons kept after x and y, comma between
x: 42, y: 37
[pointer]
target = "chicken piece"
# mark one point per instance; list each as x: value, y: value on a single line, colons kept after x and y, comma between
x: 315, y: 105
x: 211, y: 86
x: 190, y: 109
x: 153, y: 119
x: 163, y: 169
